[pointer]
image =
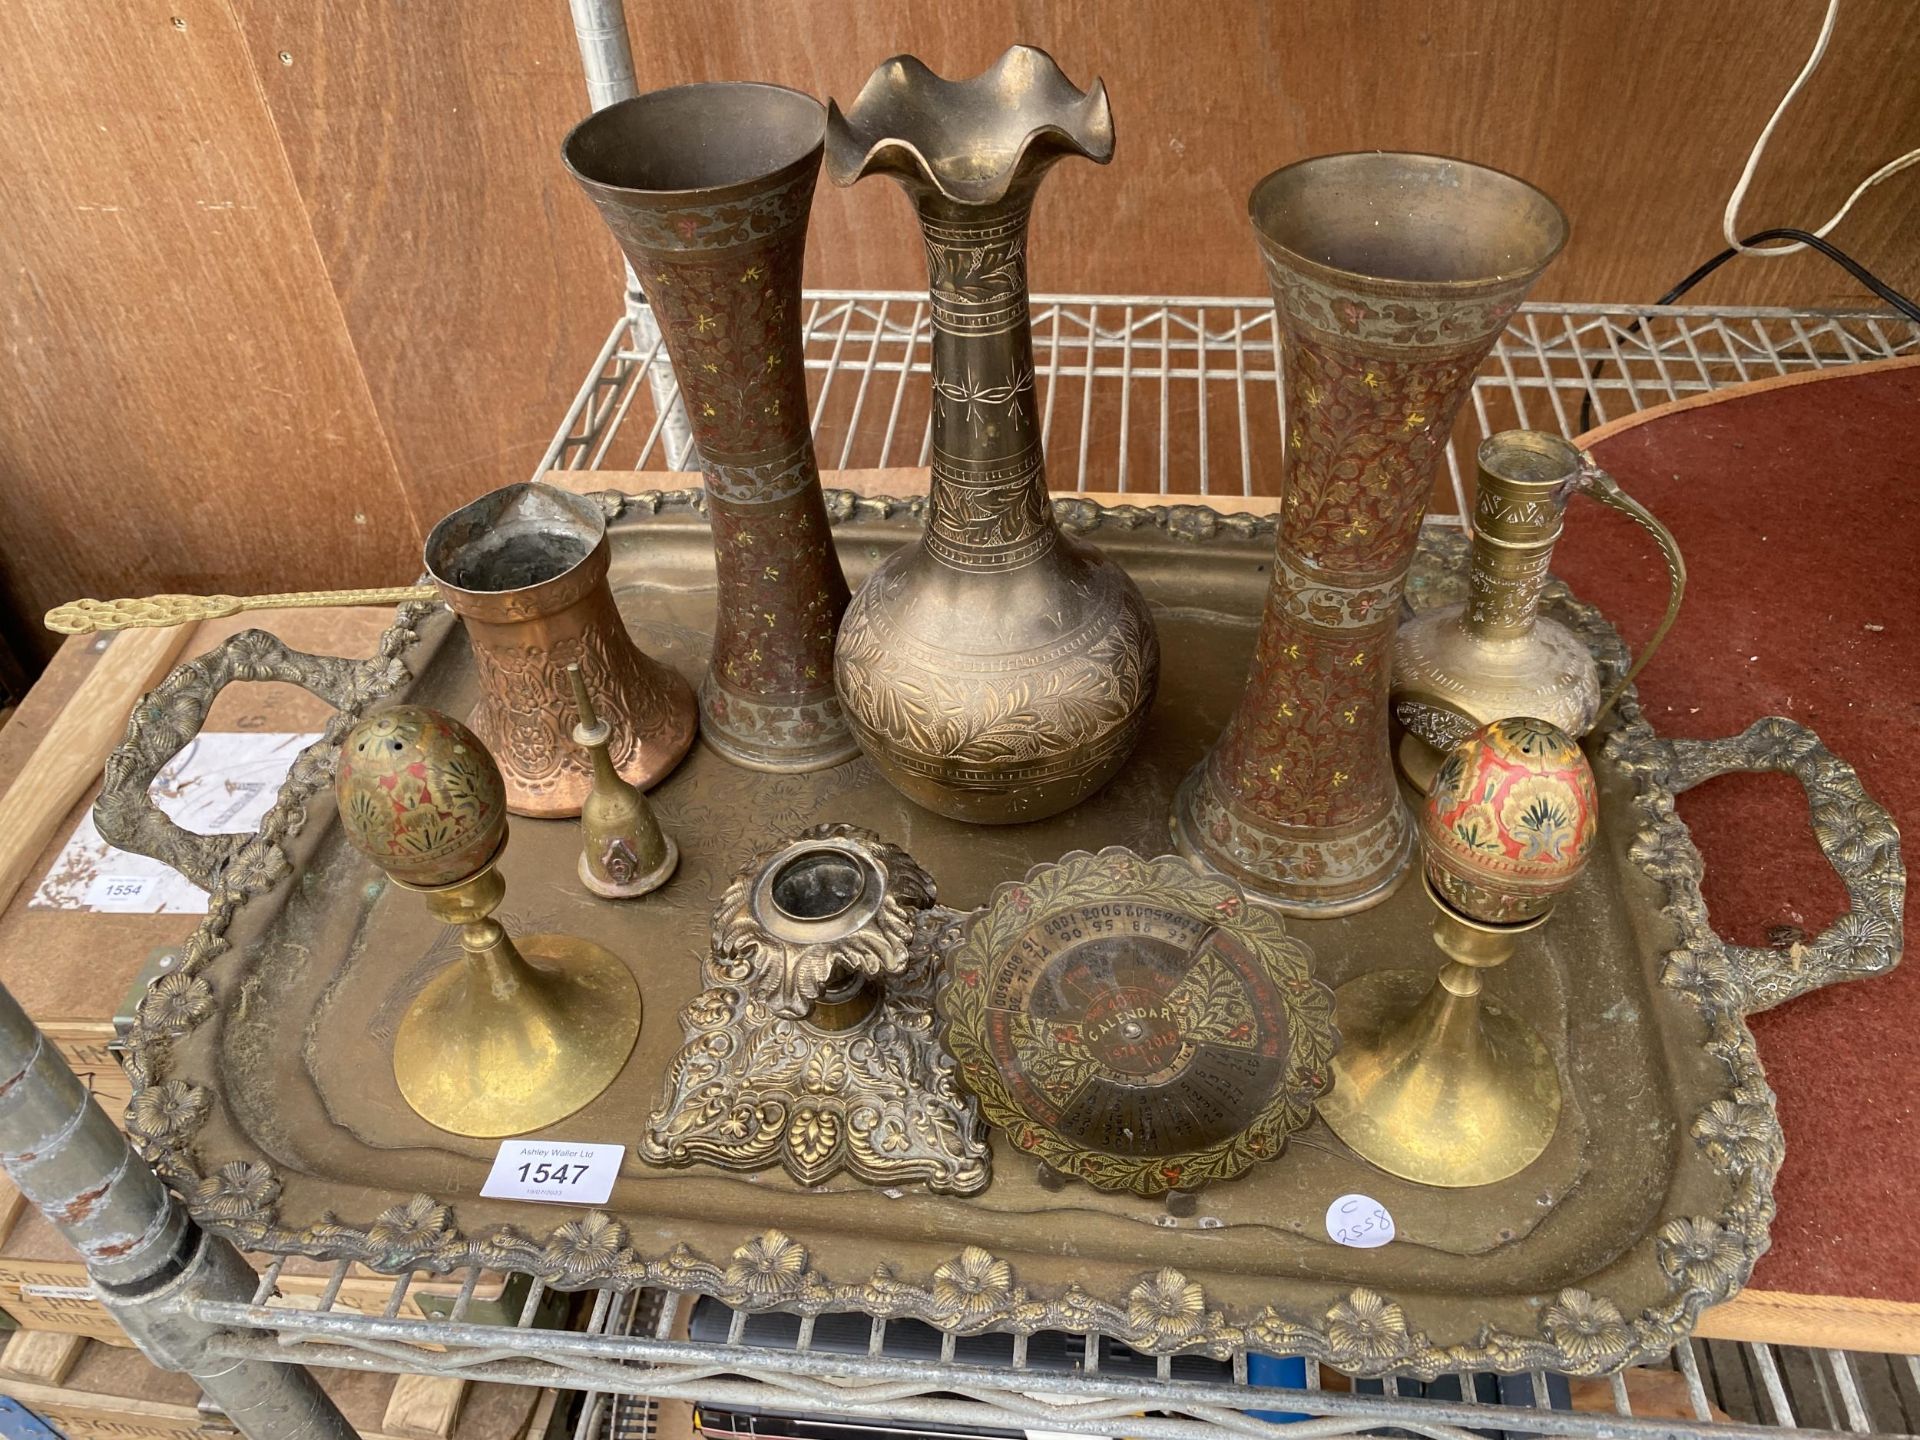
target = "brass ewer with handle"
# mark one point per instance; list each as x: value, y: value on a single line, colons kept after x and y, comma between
x: 1493, y: 655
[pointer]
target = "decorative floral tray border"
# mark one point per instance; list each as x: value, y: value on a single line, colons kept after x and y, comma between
x: 1704, y: 1258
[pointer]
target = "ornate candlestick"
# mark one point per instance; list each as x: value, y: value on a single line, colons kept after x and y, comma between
x: 513, y: 1037
x: 1452, y: 1089
x: 624, y: 853
x: 1458, y: 666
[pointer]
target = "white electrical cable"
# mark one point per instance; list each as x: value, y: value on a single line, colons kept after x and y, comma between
x: 1729, y: 224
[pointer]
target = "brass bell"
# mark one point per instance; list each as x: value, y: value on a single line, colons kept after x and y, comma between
x: 623, y: 853
x: 515, y: 1035
x: 1448, y: 1087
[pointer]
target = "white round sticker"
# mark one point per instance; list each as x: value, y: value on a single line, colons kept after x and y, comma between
x: 1359, y: 1221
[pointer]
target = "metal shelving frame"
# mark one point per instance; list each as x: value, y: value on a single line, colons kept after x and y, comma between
x: 1159, y: 395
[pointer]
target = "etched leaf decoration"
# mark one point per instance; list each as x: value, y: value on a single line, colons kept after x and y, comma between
x: 1057, y: 1065
x: 1212, y: 1004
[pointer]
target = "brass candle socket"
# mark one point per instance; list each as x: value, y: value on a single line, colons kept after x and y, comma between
x: 1445, y: 1088
x: 623, y: 853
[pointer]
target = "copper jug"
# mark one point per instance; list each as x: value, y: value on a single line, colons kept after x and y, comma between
x: 525, y: 568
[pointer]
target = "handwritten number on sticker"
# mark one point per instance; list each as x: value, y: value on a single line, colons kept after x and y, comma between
x: 1360, y: 1222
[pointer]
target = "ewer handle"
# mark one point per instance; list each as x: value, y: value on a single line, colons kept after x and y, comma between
x: 1597, y: 483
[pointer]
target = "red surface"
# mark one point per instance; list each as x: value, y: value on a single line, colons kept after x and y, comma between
x: 1798, y: 510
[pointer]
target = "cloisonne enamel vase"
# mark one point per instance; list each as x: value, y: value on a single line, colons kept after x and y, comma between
x: 1392, y: 276
x: 708, y: 188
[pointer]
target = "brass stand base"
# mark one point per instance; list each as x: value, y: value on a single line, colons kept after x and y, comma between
x: 518, y: 1035
x: 1442, y: 1089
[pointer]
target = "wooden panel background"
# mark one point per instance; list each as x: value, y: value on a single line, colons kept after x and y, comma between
x: 285, y: 282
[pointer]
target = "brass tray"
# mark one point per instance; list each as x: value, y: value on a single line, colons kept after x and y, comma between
x: 267, y: 1096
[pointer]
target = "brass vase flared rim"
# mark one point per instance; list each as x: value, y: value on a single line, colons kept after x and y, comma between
x: 913, y: 123
x: 685, y: 125
x: 1311, y: 188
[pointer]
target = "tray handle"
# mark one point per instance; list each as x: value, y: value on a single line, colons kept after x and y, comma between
x: 168, y: 719
x: 1854, y: 832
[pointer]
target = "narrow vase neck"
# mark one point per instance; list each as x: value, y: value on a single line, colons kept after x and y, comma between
x: 1512, y: 547
x: 989, y: 503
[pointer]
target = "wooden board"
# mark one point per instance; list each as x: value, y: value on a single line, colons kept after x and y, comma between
x: 177, y: 384
x: 39, y: 1357
x: 117, y: 1395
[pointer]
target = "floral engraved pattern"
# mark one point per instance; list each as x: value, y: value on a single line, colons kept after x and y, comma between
x: 1588, y: 1328
x: 1167, y: 1306
x: 723, y: 279
x: 421, y: 1224
x: 769, y: 1265
x: 241, y: 1191
x: 1510, y: 819
x: 1368, y: 1324
x: 1704, y: 1255
x: 968, y: 710
x: 175, y: 1003
x: 1740, y: 1135
x: 1027, y: 1062
x: 167, y: 1113
x: 1372, y: 388
x: 973, y: 1283
x: 592, y: 1248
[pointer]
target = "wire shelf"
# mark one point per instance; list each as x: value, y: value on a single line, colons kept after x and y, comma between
x: 1156, y: 395
x: 634, y: 1344
x: 1142, y: 395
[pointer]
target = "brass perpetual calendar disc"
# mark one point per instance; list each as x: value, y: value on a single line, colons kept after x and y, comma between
x: 1137, y: 1025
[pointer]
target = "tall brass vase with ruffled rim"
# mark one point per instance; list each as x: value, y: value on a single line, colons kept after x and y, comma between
x: 708, y: 188
x: 999, y: 671
x: 1392, y: 276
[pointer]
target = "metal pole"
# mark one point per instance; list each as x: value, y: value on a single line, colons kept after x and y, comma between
x: 607, y: 57
x: 147, y: 1259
